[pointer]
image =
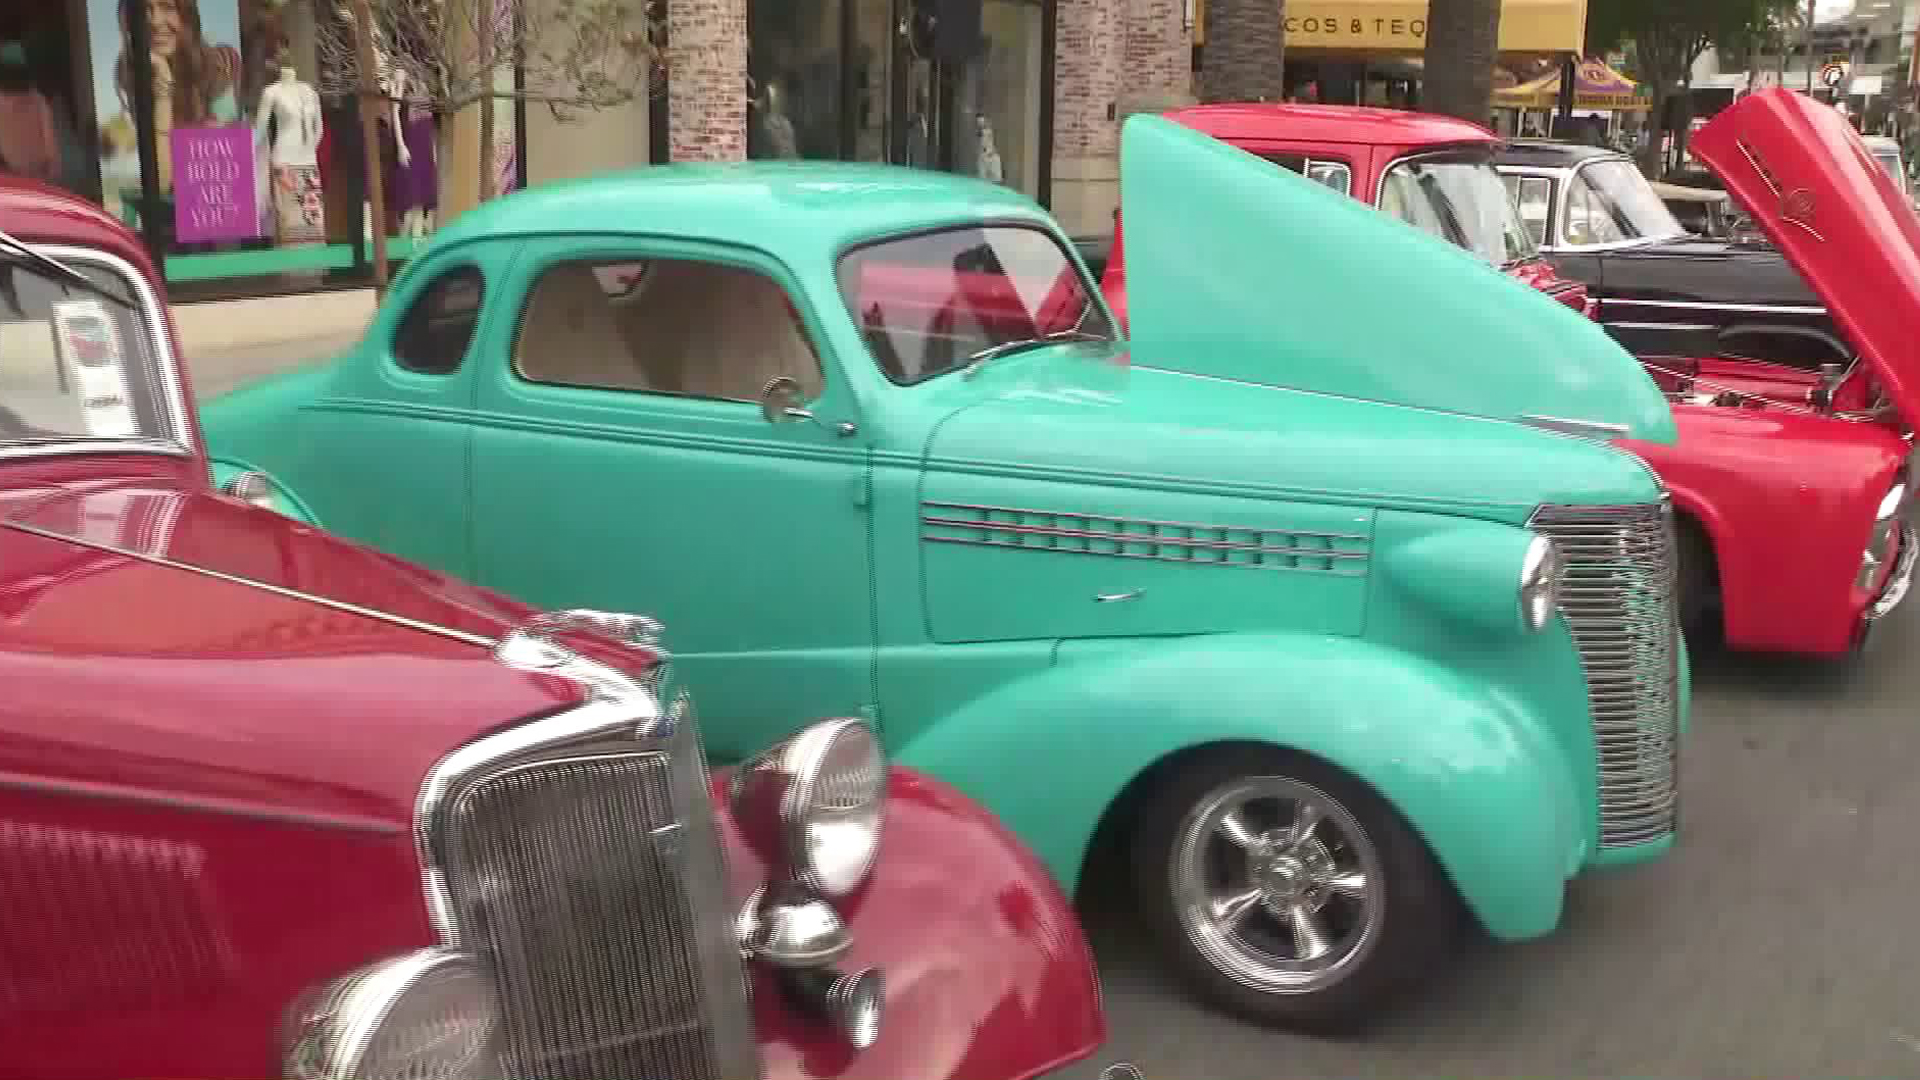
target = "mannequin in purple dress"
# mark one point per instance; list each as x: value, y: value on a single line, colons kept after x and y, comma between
x: 413, y: 179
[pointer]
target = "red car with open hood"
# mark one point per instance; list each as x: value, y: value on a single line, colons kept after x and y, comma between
x: 272, y: 803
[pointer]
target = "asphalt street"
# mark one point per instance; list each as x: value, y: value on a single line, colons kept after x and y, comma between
x: 1780, y: 940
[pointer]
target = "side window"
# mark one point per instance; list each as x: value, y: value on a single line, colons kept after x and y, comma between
x: 1333, y: 174
x: 1533, y: 195
x: 434, y: 334
x: 1589, y: 214
x: 662, y: 326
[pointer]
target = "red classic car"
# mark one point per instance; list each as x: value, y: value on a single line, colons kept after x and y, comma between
x: 272, y: 803
x: 1790, y: 487
x: 1433, y: 172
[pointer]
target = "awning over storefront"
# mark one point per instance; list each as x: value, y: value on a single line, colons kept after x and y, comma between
x: 1526, y: 26
x: 1596, y: 86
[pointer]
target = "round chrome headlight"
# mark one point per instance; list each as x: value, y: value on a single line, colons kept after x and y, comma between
x: 429, y: 1015
x: 1539, y: 583
x: 823, y: 793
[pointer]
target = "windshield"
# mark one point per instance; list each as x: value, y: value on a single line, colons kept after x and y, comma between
x: 1611, y: 201
x: 74, y: 363
x: 1461, y: 199
x: 931, y: 302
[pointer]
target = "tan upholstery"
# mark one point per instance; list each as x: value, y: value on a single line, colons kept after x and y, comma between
x: 713, y: 331
x: 570, y: 335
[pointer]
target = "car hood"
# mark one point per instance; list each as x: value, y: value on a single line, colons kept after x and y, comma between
x: 1272, y: 278
x: 1066, y: 416
x: 1812, y: 185
x: 144, y: 661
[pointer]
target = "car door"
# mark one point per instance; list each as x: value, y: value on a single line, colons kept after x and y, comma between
x: 383, y: 455
x: 625, y: 462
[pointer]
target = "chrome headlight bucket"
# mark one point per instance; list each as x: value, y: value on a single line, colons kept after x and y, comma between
x: 812, y: 805
x: 428, y: 1015
x: 1539, y: 583
x: 1887, y: 519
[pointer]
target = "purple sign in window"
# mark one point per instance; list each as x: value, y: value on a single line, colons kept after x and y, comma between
x: 213, y: 197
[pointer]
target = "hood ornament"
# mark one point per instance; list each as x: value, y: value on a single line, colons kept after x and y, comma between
x: 633, y: 631
x: 530, y: 646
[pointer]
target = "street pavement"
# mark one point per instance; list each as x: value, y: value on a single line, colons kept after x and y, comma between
x: 1780, y: 940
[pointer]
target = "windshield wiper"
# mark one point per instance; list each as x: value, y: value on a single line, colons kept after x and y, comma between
x: 974, y: 362
x: 14, y: 246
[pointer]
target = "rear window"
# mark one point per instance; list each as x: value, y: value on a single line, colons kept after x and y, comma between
x: 931, y: 302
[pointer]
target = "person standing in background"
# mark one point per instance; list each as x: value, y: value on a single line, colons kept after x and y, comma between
x: 29, y: 145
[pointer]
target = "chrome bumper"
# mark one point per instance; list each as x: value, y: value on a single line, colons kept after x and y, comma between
x: 1899, y: 581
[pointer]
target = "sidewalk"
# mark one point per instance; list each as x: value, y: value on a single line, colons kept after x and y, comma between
x: 221, y: 325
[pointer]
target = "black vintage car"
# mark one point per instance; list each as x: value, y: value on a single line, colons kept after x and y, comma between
x: 1662, y: 291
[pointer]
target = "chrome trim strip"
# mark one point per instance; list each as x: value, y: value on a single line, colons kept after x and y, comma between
x: 174, y: 391
x: 1706, y: 305
x: 1901, y: 580
x: 935, y: 503
x: 1590, y: 429
x: 200, y: 804
x: 278, y: 590
x: 1657, y: 325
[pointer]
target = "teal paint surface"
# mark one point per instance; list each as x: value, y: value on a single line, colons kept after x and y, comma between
x: 1272, y: 277
x: 1313, y: 570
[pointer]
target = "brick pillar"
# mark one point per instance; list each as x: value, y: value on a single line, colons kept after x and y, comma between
x: 1089, y: 56
x: 707, y: 95
x: 1159, y: 56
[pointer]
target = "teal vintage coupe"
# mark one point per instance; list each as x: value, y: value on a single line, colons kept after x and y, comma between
x: 1315, y: 665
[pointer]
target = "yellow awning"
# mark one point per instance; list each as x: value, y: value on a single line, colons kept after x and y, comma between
x: 1596, y: 86
x: 1526, y: 26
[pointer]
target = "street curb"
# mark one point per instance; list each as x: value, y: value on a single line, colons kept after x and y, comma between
x: 272, y: 320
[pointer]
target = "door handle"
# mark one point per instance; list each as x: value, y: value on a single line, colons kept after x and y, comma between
x: 1118, y: 597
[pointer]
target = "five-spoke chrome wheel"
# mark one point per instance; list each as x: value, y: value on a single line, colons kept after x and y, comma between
x: 1276, y: 884
x: 1287, y: 890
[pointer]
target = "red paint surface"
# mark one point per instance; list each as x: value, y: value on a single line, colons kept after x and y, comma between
x: 1738, y: 473
x: 206, y: 790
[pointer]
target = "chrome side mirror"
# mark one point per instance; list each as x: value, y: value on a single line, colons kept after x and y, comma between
x: 780, y: 400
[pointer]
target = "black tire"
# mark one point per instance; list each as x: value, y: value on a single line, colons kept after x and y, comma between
x: 1415, y: 929
x: 1698, y: 579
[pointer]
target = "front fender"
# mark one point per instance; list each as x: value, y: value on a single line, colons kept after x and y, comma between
x: 1471, y: 770
x: 987, y: 974
x: 1787, y: 502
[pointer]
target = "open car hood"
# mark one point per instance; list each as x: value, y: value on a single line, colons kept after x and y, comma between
x: 1239, y: 269
x: 1809, y: 182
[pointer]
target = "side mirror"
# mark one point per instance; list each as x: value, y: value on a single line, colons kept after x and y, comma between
x: 780, y: 401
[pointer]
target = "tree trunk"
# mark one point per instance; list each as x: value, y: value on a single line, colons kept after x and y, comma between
x: 1651, y: 157
x: 1245, y: 54
x: 1462, y: 36
x: 370, y: 103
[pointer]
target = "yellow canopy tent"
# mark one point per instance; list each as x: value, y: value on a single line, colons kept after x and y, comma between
x: 1596, y: 86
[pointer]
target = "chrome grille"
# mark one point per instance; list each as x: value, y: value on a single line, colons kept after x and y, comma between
x: 1617, y: 590
x: 589, y: 880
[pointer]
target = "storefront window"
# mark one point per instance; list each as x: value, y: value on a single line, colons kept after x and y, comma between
x: 998, y: 104
x: 793, y: 64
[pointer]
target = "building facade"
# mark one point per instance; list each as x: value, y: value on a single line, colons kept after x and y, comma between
x: 225, y: 132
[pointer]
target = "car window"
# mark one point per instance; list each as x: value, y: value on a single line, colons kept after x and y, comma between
x: 1533, y: 195
x: 433, y: 336
x: 663, y: 326
x: 1324, y: 171
x: 1459, y: 198
x: 930, y: 302
x: 1611, y: 201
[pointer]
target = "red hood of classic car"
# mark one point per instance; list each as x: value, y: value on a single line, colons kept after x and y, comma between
x: 1841, y: 220
x: 164, y: 644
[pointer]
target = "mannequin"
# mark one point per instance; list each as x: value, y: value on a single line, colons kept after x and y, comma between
x: 413, y: 183
x: 989, y: 165
x: 291, y: 110
x: 781, y: 141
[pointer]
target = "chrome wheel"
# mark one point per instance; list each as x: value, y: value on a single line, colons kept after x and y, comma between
x: 1277, y: 885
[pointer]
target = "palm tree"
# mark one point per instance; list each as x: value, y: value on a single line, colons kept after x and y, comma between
x: 1245, y: 51
x: 1462, y: 36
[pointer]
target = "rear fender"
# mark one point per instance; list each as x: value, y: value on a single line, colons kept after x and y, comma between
x: 1050, y: 753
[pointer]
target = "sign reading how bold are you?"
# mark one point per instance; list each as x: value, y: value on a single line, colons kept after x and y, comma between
x: 213, y: 194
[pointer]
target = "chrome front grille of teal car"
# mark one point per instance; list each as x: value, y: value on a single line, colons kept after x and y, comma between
x: 1617, y: 591
x: 1075, y: 533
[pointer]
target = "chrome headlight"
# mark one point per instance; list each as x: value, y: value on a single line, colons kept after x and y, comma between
x: 1892, y: 502
x: 1539, y: 583
x: 252, y: 487
x: 429, y: 1015
x: 822, y: 793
